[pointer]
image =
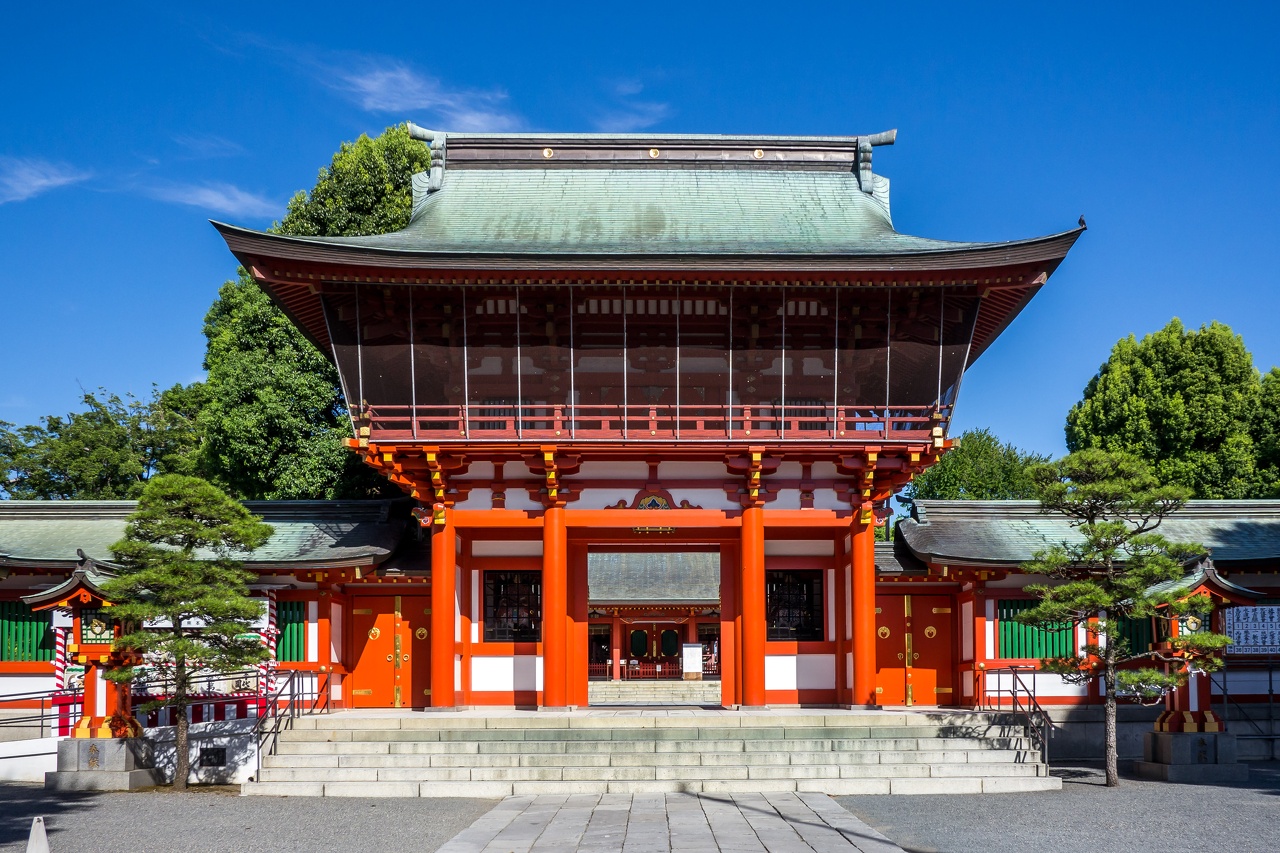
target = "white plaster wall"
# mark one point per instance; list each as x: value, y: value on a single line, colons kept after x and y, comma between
x: 11, y: 685
x: 478, y: 471
x: 516, y: 548
x: 477, y: 499
x: 313, y: 631
x: 28, y: 760
x: 518, y: 498
x: 780, y: 672
x: 786, y: 499
x: 506, y: 673
x: 335, y: 631
x: 990, y: 629
x: 799, y: 548
x: 708, y: 498
x: 692, y: 471
x: 602, y: 498
x: 1247, y: 681
x: 614, y: 471
x: 1042, y: 683
x: 799, y: 672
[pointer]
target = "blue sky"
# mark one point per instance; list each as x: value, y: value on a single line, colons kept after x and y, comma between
x: 126, y: 126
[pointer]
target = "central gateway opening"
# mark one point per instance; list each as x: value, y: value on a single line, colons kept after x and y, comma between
x: 654, y: 620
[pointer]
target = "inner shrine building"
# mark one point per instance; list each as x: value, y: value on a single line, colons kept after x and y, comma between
x: 651, y: 396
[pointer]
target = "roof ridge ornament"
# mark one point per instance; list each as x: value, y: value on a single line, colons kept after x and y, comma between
x: 865, y: 144
x: 436, y: 141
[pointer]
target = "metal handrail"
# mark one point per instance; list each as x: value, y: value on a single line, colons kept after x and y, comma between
x: 1022, y: 703
x: 1243, y: 713
x: 273, y: 719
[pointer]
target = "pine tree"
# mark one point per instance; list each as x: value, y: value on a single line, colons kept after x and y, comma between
x: 182, y: 590
x: 1107, y: 578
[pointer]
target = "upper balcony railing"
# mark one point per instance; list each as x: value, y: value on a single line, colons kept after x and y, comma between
x: 505, y: 422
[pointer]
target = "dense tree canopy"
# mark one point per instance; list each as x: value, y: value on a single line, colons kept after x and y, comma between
x: 276, y: 418
x: 979, y: 467
x: 1188, y: 403
x: 108, y: 451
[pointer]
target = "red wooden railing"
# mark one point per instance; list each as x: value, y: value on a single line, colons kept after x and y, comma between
x: 506, y: 422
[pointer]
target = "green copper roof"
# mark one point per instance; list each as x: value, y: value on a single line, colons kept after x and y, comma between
x: 589, y: 195
x: 1239, y: 534
x: 319, y: 533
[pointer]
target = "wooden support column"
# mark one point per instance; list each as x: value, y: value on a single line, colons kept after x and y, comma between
x: 864, y: 612
x: 443, y: 597
x: 730, y: 622
x: 842, y: 599
x: 751, y: 594
x: 555, y: 609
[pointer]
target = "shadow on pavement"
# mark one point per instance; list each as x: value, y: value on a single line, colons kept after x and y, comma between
x: 20, y: 803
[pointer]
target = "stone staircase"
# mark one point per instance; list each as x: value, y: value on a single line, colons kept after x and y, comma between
x: 469, y: 754
x: 641, y: 693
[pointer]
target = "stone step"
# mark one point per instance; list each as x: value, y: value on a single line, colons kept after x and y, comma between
x: 495, y: 789
x: 626, y: 733
x: 653, y: 759
x: 673, y: 747
x: 631, y: 774
x: 535, y: 720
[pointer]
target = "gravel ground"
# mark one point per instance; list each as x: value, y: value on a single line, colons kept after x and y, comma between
x: 217, y: 820
x: 1087, y: 817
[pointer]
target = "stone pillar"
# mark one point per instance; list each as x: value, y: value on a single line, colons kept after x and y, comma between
x: 443, y: 598
x: 555, y: 609
x: 864, y: 613
x: 751, y: 594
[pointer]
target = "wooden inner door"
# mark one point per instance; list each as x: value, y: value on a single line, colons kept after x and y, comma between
x: 914, y: 652
x: 391, y: 651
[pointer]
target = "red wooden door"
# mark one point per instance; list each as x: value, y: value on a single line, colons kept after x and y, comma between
x: 914, y: 652
x: 391, y: 651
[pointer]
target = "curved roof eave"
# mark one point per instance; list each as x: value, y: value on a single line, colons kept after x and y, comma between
x: 247, y: 243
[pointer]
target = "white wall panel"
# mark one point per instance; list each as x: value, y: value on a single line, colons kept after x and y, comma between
x: 493, y: 673
x: 313, y: 631
x: 816, y: 672
x: 515, y: 548
x: 780, y: 672
x: 966, y: 631
x: 799, y: 547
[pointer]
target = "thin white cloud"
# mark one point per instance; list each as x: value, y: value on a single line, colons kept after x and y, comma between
x: 629, y: 118
x: 22, y: 178
x: 217, y: 197
x: 397, y: 88
x: 208, y: 145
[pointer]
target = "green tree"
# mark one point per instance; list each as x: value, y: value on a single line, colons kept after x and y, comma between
x: 276, y: 418
x: 1266, y: 432
x: 979, y: 468
x: 107, y: 451
x: 1110, y: 575
x: 1183, y: 401
x: 179, y: 577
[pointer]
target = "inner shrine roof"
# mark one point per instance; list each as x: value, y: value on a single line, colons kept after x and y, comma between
x: 312, y: 533
x: 653, y: 578
x: 1238, y: 534
x: 646, y: 197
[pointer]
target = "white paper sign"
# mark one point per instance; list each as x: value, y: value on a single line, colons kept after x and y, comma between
x: 1253, y: 630
x: 693, y: 657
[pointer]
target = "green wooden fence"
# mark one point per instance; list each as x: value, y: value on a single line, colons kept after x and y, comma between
x: 291, y: 621
x: 1016, y: 640
x: 24, y: 636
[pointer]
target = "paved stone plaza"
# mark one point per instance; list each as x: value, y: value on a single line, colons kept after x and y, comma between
x: 666, y: 823
x: 1084, y: 817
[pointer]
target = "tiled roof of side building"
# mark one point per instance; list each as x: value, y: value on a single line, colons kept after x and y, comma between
x: 319, y: 533
x: 1239, y: 534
